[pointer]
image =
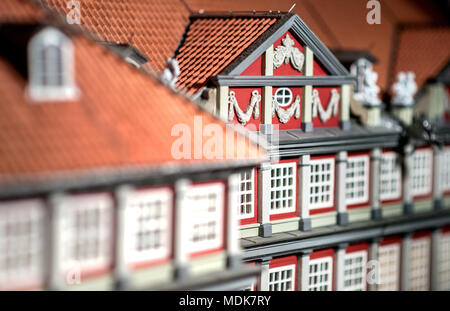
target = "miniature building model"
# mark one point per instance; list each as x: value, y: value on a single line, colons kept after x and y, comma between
x: 352, y: 196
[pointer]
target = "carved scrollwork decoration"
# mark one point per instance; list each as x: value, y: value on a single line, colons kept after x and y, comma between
x: 284, y: 115
x: 332, y: 108
x: 288, y: 52
x: 252, y: 108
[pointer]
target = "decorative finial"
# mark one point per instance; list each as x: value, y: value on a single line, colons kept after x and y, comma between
x: 404, y: 89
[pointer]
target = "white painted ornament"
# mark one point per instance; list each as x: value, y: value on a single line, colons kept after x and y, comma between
x: 252, y: 108
x: 332, y: 108
x: 404, y: 89
x: 284, y: 115
x: 368, y: 90
x: 288, y: 52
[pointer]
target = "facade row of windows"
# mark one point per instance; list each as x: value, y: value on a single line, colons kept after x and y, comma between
x: 86, y: 230
x: 322, y: 183
x: 358, y: 271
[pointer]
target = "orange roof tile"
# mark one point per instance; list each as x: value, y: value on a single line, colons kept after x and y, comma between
x: 19, y: 11
x: 423, y: 50
x: 155, y: 27
x: 212, y: 43
x: 346, y: 30
x: 106, y: 127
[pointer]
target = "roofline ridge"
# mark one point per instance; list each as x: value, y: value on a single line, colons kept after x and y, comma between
x: 239, y: 14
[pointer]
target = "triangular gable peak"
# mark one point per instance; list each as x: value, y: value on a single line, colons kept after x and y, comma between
x: 287, y: 77
x: 301, y: 35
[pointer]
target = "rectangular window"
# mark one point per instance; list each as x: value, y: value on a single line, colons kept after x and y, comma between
x: 86, y: 231
x: 148, y: 215
x: 357, y: 180
x: 282, y: 188
x: 355, y: 271
x: 421, y: 171
x: 207, y: 205
x: 321, y: 191
x: 320, y: 274
x: 282, y: 278
x: 444, y: 262
x: 389, y: 267
x: 247, y: 195
x: 419, y: 264
x: 21, y: 244
x: 445, y: 169
x: 390, y: 176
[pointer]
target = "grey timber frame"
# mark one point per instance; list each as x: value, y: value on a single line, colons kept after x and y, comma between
x: 258, y: 81
x: 294, y: 242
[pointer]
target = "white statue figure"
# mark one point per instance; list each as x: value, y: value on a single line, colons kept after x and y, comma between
x: 170, y: 75
x: 404, y: 89
x: 367, y: 90
x: 288, y: 52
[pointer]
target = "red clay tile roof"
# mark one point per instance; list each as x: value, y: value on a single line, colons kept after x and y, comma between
x: 423, y: 50
x: 342, y: 24
x: 106, y: 127
x: 212, y: 43
x: 155, y: 27
x: 19, y: 11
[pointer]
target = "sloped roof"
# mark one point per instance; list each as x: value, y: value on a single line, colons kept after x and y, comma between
x: 155, y: 27
x: 211, y: 43
x: 425, y: 50
x: 342, y: 24
x: 106, y: 128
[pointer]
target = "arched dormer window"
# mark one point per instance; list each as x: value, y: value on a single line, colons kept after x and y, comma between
x: 51, y: 66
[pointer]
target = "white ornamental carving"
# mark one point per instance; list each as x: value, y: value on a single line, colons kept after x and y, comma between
x: 367, y: 83
x: 252, y: 107
x: 332, y: 108
x: 287, y: 52
x: 284, y: 115
x: 404, y: 89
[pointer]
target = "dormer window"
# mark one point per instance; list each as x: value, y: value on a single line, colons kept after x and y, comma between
x: 51, y: 66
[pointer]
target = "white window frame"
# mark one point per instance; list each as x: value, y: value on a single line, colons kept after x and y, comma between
x: 422, y: 175
x: 71, y: 207
x: 389, y: 257
x: 360, y: 174
x: 46, y: 38
x: 445, y: 169
x: 390, y: 177
x: 247, y: 194
x: 319, y: 284
x: 444, y: 261
x: 142, y: 216
x: 285, y: 186
x: 317, y: 184
x: 354, y: 270
x: 27, y: 219
x: 198, y: 217
x: 283, y: 93
x: 419, y: 265
x: 279, y: 278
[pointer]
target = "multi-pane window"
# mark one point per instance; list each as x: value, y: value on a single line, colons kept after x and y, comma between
x: 51, y: 66
x: 389, y: 267
x: 247, y: 195
x: 390, y: 176
x: 421, y: 171
x: 283, y: 96
x: 282, y: 188
x: 321, y: 191
x: 419, y: 264
x: 355, y: 271
x: 86, y: 231
x: 357, y: 180
x: 444, y: 262
x: 21, y: 243
x: 148, y: 218
x: 320, y: 274
x: 282, y: 278
x: 206, y: 205
x: 445, y: 169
